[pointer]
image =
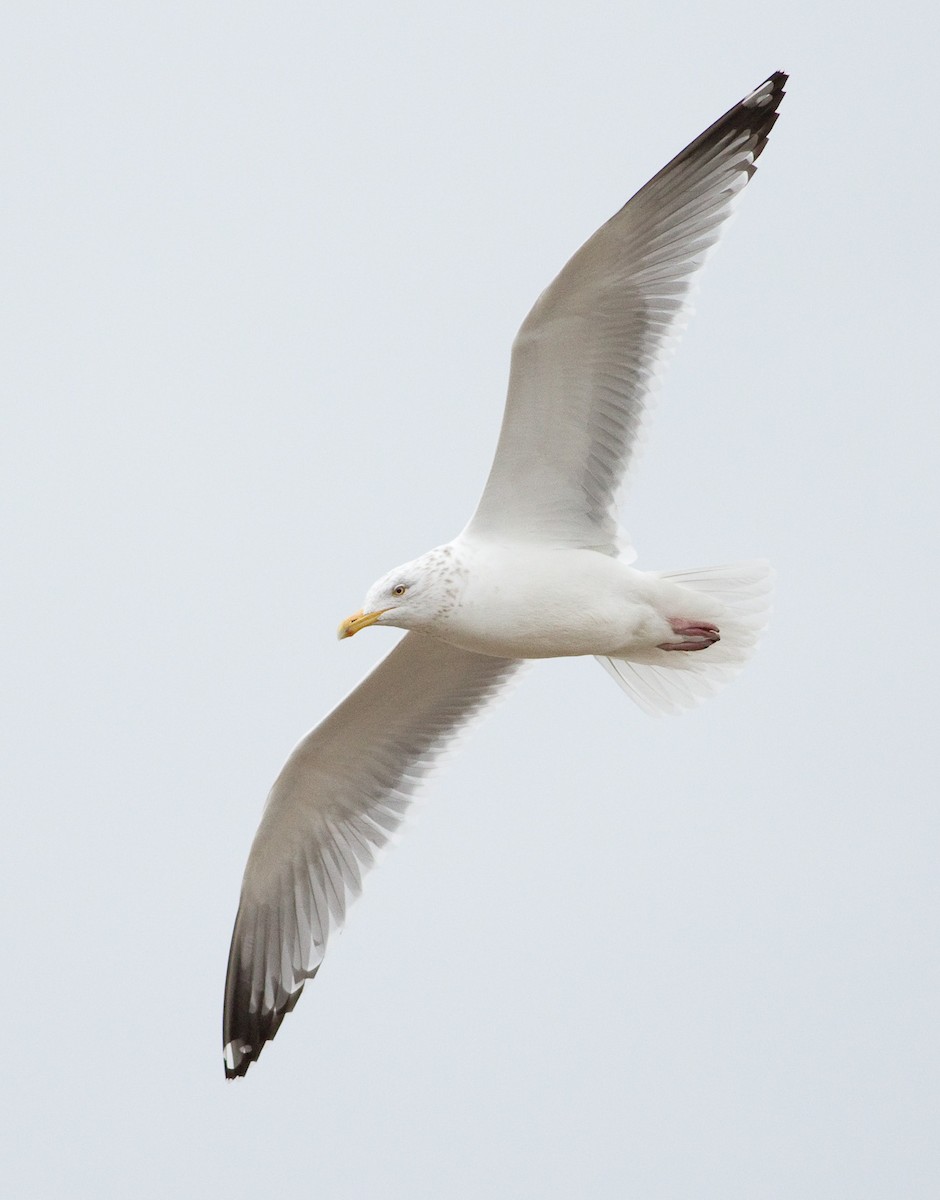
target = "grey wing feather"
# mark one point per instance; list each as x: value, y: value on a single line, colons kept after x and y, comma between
x: 340, y: 796
x: 587, y: 355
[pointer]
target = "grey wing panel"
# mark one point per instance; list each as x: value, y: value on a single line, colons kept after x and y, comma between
x: 587, y: 356
x: 341, y: 794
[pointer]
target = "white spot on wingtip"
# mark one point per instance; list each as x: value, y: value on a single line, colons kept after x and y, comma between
x: 230, y: 1051
x: 760, y: 96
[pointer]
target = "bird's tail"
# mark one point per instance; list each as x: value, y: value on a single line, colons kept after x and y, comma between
x: 739, y: 596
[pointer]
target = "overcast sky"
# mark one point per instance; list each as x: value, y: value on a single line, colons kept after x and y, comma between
x: 263, y: 265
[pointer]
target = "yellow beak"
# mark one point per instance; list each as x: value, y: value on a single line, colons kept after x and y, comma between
x: 359, y: 620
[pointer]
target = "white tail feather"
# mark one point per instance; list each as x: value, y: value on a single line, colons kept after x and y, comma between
x: 671, y: 680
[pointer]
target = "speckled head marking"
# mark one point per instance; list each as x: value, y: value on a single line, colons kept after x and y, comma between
x: 420, y: 594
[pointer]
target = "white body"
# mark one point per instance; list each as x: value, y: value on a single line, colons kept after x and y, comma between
x: 522, y: 602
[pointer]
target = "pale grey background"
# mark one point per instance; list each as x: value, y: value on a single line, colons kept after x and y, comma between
x: 262, y: 265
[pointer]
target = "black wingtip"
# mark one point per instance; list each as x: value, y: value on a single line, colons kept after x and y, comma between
x: 753, y: 117
x: 756, y: 113
x: 248, y: 1023
x: 246, y: 1033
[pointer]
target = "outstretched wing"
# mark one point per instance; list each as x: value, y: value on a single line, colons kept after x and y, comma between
x: 341, y: 794
x: 586, y: 356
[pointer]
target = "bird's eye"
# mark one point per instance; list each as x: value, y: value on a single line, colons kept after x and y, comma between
x: 399, y: 589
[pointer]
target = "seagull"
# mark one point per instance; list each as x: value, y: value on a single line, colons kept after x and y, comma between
x: 541, y: 571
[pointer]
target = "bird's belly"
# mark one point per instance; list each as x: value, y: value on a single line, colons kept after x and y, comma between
x: 511, y: 630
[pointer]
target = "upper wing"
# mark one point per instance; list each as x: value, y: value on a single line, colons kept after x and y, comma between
x: 587, y: 354
x: 341, y: 794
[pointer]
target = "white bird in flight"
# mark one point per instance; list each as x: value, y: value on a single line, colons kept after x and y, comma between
x: 541, y: 571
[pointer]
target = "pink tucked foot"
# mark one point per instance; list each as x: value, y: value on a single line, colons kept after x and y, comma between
x: 697, y: 635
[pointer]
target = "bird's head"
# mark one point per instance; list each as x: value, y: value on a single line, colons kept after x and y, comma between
x: 416, y: 595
